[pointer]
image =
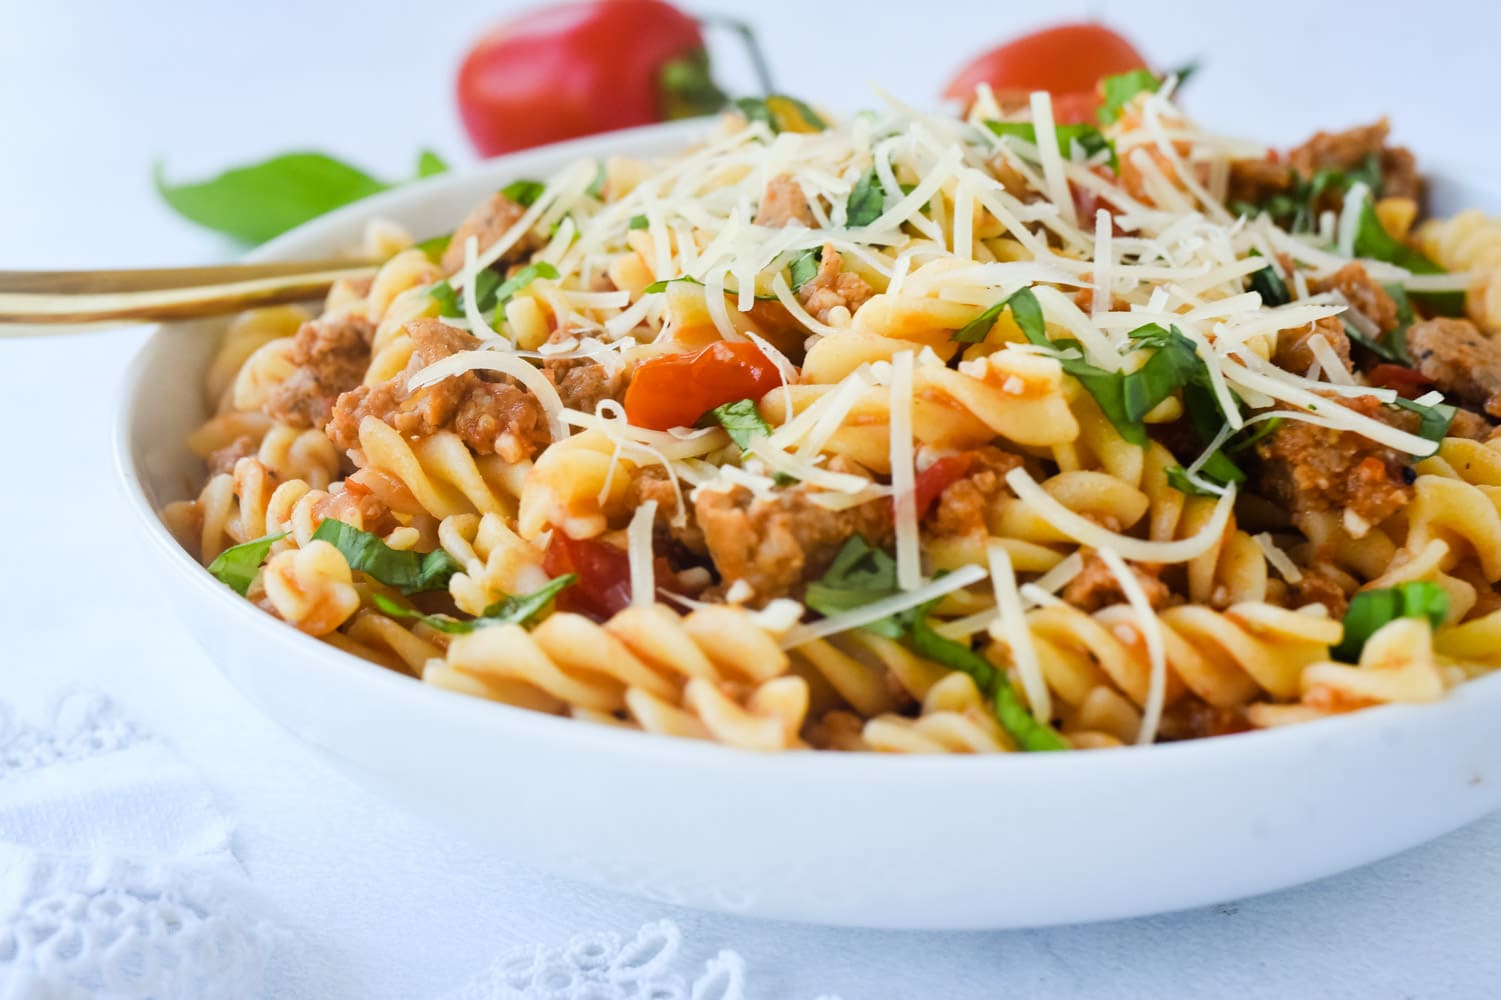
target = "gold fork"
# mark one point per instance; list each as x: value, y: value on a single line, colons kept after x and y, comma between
x: 40, y: 302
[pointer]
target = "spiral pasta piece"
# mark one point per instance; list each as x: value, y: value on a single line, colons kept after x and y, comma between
x: 1469, y: 241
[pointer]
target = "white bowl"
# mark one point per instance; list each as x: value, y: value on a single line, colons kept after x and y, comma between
x: 884, y: 841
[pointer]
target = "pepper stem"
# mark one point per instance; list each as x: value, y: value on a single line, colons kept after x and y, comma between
x: 752, y: 46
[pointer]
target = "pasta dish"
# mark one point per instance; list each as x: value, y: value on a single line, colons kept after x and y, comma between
x: 906, y: 433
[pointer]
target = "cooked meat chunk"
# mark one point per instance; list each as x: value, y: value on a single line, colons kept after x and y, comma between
x: 224, y: 459
x: 962, y: 506
x: 1191, y: 719
x: 583, y: 383
x: 833, y: 287
x: 331, y: 356
x: 1469, y: 424
x: 777, y: 543
x: 1309, y: 468
x: 1294, y: 354
x: 1348, y: 150
x: 784, y: 203
x: 1098, y: 587
x: 491, y: 414
x: 1364, y: 294
x: 651, y: 482
x: 1315, y: 587
x: 487, y: 223
x: 1256, y: 180
x: 1455, y: 356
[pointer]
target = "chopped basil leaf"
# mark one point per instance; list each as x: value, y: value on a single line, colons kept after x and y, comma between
x: 1435, y: 419
x: 1025, y: 309
x: 804, y: 267
x: 1121, y: 88
x: 430, y: 163
x: 639, y: 222
x: 524, y: 192
x: 742, y: 421
x: 409, y: 572
x: 451, y: 301
x: 1262, y: 430
x: 1269, y: 285
x: 1379, y: 348
x: 1177, y: 478
x: 507, y: 289
x: 518, y: 610
x: 781, y: 113
x: 1029, y: 732
x: 1371, y: 609
x: 661, y: 286
x: 596, y: 188
x: 435, y: 246
x: 237, y: 565
x: 1090, y: 139
x: 860, y: 574
x: 1373, y: 241
x: 866, y: 202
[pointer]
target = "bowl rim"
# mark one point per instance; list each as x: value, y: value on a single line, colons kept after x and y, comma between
x: 1218, y: 752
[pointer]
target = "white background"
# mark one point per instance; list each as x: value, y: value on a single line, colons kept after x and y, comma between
x: 381, y: 904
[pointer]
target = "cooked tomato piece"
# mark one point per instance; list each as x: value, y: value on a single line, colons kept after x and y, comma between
x: 675, y: 390
x: 1409, y: 384
x: 932, y: 481
x: 604, y: 575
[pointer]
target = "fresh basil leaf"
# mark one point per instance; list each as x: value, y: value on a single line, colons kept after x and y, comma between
x: 1027, y: 730
x: 781, y: 113
x: 661, y: 286
x: 1177, y: 478
x: 256, y: 202
x: 638, y: 222
x: 524, y: 192
x: 1269, y: 285
x: 867, y: 201
x: 1374, y: 242
x: 1435, y: 419
x: 1025, y: 309
x: 451, y: 301
x: 1371, y: 609
x: 517, y: 610
x: 1260, y: 431
x: 237, y: 565
x: 1121, y: 88
x: 409, y: 572
x: 859, y: 575
x: 804, y: 267
x: 430, y: 163
x: 521, y: 609
x: 1380, y: 348
x: 1090, y: 139
x: 742, y: 421
x: 507, y: 289
x: 435, y: 246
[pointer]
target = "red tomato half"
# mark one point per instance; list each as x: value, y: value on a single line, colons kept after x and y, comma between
x: 674, y: 390
x: 1068, y: 61
x: 575, y: 69
x: 604, y: 575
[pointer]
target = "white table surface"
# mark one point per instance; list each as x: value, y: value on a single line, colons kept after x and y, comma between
x: 381, y: 903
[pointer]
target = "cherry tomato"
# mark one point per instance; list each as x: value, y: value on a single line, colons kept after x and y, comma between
x: 1068, y: 61
x: 604, y: 575
x: 674, y: 390
x: 1408, y: 383
x: 932, y: 481
x: 575, y: 69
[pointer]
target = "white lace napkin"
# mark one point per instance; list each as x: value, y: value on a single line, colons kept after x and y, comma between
x: 116, y: 878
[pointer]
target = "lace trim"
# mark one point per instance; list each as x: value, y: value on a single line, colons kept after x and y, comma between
x: 83, y: 725
x: 603, y: 966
